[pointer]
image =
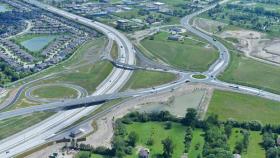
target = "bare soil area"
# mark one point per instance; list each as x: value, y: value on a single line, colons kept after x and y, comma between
x: 252, y: 43
x: 256, y: 45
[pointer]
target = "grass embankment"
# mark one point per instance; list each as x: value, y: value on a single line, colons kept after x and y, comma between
x: 55, y: 92
x: 88, y: 76
x: 16, y: 124
x: 114, y: 51
x: 190, y: 55
x: 146, y: 79
x: 243, y: 107
x: 246, y: 71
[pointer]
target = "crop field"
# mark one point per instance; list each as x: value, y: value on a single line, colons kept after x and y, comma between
x: 243, y: 107
x: 190, y: 54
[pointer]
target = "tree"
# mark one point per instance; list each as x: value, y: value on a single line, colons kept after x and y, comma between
x: 84, y: 154
x: 168, y: 125
x: 190, y: 117
x: 132, y: 138
x: 228, y: 129
x: 272, y: 153
x: 168, y: 147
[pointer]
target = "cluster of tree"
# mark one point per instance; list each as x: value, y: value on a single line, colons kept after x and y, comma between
x: 162, y: 116
x: 253, y: 126
x: 260, y: 11
x: 256, y: 18
x: 8, y: 74
x: 215, y: 140
x: 270, y: 144
x: 188, y: 139
x: 277, y: 2
x: 242, y: 145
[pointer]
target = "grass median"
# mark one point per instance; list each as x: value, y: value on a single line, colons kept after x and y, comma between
x: 147, y: 79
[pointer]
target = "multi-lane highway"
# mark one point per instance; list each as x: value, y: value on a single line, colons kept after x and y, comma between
x: 38, y: 134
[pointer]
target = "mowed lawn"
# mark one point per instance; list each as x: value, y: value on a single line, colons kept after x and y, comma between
x: 196, y: 144
x: 55, y: 91
x: 246, y: 71
x: 157, y: 132
x: 254, y: 149
x: 190, y: 55
x: 243, y: 107
x: 147, y: 79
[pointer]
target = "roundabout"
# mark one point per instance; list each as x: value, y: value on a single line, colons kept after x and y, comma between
x: 199, y: 76
x: 55, y: 92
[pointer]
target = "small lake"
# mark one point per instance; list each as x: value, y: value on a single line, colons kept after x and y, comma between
x: 36, y: 44
x: 4, y: 8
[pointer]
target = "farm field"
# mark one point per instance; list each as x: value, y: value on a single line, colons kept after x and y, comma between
x: 191, y: 54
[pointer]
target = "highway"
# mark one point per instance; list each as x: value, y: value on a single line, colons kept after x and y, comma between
x: 37, y: 135
x: 94, y: 100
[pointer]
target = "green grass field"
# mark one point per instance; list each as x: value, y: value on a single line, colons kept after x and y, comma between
x: 146, y: 79
x: 244, y: 107
x: 88, y: 76
x: 197, y: 139
x: 16, y: 124
x: 55, y: 92
x: 254, y: 149
x: 156, y: 131
x: 246, y: 71
x: 188, y: 55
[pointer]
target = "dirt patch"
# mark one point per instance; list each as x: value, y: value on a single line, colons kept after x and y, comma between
x: 256, y: 45
x: 210, y: 26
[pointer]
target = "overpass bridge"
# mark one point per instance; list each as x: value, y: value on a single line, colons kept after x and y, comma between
x: 68, y: 104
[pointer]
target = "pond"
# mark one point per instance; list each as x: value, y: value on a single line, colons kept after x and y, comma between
x: 36, y: 44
